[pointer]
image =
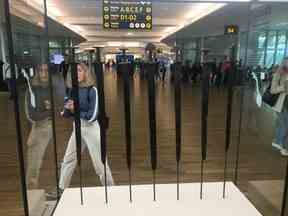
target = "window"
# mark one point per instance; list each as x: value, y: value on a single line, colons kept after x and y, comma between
x: 261, y: 40
x: 271, y: 40
x: 280, y: 52
x: 271, y: 48
x: 54, y: 44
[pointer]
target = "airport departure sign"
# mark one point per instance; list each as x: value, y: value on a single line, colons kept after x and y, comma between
x: 127, y: 14
x: 231, y: 30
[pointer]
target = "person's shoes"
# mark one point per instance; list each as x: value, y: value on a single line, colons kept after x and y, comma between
x: 277, y: 146
x: 284, y: 152
x: 52, y: 196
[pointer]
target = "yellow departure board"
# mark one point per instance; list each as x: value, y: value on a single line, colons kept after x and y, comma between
x: 231, y: 30
x: 129, y: 14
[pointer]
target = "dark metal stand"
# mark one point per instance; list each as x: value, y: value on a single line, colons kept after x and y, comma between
x: 14, y: 90
x: 177, y: 101
x: 46, y: 36
x: 204, y: 116
x: 102, y: 118
x: 124, y: 70
x: 228, y: 123
x: 242, y: 94
x: 77, y: 122
x: 152, y: 121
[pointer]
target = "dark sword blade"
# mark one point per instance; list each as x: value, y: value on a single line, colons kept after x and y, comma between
x: 124, y: 70
x: 228, y: 122
x: 77, y: 122
x: 204, y: 115
x: 177, y: 101
x: 102, y: 118
x: 152, y: 121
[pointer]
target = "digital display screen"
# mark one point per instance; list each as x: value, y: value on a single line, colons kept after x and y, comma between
x: 56, y: 59
x: 121, y: 58
x: 134, y: 15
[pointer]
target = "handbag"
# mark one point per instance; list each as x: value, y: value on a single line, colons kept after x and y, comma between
x: 269, y: 98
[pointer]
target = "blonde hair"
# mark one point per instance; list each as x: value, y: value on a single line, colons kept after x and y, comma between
x: 90, y: 78
x: 36, y: 81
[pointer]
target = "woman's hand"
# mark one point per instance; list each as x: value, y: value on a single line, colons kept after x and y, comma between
x: 70, y: 106
x: 47, y: 104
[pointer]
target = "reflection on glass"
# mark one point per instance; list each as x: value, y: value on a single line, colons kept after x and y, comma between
x: 38, y: 106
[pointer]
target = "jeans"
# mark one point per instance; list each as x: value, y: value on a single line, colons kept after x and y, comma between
x: 91, y: 139
x: 38, y: 141
x: 282, y: 129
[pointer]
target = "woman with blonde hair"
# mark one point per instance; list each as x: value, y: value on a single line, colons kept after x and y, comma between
x: 280, y: 86
x: 90, y: 130
x: 38, y: 112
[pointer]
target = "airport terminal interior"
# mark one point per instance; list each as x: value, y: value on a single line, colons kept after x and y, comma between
x: 185, y: 98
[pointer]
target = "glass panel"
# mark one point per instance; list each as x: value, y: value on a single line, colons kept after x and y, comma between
x: 11, y: 202
x: 262, y: 166
x: 33, y: 71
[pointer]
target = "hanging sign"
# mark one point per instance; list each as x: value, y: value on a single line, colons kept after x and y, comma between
x: 129, y: 14
x: 231, y: 30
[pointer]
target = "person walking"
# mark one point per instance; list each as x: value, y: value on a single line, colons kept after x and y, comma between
x: 280, y: 86
x: 90, y: 130
x: 38, y: 112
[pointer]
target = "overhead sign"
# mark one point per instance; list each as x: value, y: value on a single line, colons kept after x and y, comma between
x: 231, y: 30
x: 129, y: 14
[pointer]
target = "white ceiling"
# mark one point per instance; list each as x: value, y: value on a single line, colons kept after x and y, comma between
x: 30, y: 21
x: 85, y: 18
x: 169, y: 16
x: 214, y: 23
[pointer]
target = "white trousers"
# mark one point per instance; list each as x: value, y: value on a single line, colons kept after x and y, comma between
x: 39, y: 138
x: 90, y: 133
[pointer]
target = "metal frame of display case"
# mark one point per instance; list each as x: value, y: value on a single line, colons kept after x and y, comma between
x: 103, y: 117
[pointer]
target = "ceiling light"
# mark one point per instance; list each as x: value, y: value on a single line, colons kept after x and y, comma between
x: 130, y: 34
x: 123, y: 44
x: 114, y: 44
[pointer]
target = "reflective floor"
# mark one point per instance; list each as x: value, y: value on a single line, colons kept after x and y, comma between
x: 258, y: 160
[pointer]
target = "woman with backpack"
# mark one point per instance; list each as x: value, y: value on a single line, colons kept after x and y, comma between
x: 280, y: 86
x: 90, y: 130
